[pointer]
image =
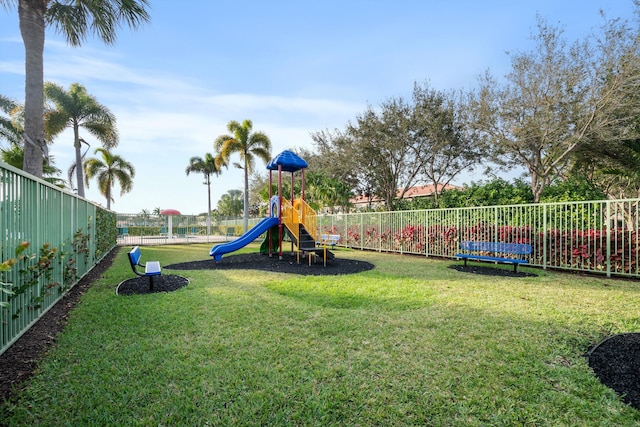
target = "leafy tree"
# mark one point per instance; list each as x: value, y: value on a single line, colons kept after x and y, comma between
x: 77, y: 109
x: 387, y: 151
x: 335, y: 157
x: 74, y: 20
x: 108, y: 170
x: 573, y: 189
x: 486, y: 193
x: 249, y: 146
x: 443, y: 142
x: 325, y: 192
x: 230, y: 204
x: 557, y: 99
x: 209, y: 165
x: 384, y: 143
x: 614, y: 167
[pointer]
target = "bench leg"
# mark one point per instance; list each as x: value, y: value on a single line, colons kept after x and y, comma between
x: 465, y: 262
x: 515, y: 267
x: 151, y: 283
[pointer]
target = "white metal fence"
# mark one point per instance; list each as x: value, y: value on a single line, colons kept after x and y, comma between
x: 143, y: 229
x: 593, y: 236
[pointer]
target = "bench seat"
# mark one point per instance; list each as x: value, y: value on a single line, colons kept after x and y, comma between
x: 496, y: 248
x: 151, y: 268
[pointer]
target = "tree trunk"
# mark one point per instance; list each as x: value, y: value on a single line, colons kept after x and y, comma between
x: 79, y: 171
x: 208, y: 206
x: 246, y: 198
x: 108, y: 193
x: 31, y: 15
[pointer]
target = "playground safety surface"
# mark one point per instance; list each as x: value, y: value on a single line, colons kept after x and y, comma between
x: 288, y: 264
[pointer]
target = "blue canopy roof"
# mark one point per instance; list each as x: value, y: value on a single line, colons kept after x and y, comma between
x: 289, y: 161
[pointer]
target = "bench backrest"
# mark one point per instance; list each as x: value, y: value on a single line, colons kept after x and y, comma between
x: 134, y: 256
x: 330, y: 238
x: 509, y: 248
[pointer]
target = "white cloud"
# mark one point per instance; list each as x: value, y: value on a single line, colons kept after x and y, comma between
x: 164, y: 120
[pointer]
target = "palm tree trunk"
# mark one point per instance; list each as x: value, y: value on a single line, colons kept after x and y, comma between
x: 208, y: 206
x: 78, y: 146
x: 31, y: 15
x: 108, y: 195
x: 246, y: 198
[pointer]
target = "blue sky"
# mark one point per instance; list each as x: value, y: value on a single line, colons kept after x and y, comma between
x: 292, y: 67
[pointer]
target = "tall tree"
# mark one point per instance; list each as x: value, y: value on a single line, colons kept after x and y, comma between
x: 384, y: 143
x: 557, y: 98
x: 249, y: 146
x: 74, y: 20
x: 108, y: 170
x: 77, y: 109
x: 208, y: 166
x: 443, y: 142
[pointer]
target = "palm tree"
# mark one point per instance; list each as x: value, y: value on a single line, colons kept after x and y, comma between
x: 108, y: 170
x: 249, y: 146
x: 208, y: 166
x: 145, y: 214
x: 14, y: 156
x: 76, y: 109
x: 8, y: 130
x: 74, y: 20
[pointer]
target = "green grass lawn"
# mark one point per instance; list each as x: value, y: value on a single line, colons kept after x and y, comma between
x: 411, y: 342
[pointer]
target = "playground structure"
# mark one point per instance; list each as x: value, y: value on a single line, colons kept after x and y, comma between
x: 289, y: 220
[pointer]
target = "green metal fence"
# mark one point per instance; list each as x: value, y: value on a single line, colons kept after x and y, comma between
x: 50, y: 240
x: 593, y: 236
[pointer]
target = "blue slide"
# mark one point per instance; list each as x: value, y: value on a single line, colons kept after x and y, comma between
x: 218, y: 250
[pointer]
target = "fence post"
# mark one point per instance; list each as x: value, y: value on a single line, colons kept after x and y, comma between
x: 361, y: 231
x: 545, y: 240
x: 608, y: 225
x: 379, y: 231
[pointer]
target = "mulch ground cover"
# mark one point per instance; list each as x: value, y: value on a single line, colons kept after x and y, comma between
x: 289, y: 263
x: 615, y: 361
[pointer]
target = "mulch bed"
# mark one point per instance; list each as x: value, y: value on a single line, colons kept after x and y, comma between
x: 162, y: 283
x: 288, y: 264
x: 490, y: 271
x: 615, y: 361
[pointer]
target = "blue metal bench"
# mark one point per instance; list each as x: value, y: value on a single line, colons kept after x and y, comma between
x: 151, y: 268
x: 496, y: 248
x: 328, y: 239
